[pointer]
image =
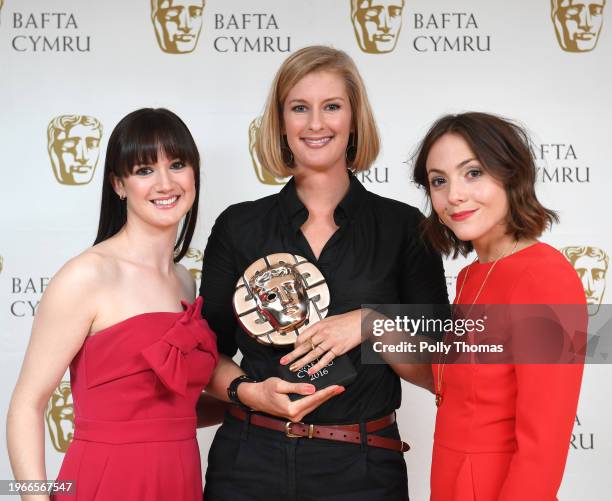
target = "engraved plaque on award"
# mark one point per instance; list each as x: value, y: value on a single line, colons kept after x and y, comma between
x: 279, y: 296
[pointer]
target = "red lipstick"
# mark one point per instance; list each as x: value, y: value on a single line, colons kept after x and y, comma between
x: 461, y: 216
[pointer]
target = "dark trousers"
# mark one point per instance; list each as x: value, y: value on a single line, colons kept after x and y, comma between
x: 249, y: 463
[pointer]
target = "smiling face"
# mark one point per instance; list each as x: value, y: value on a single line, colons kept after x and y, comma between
x: 281, y: 297
x: 317, y: 121
x: 377, y: 24
x: 159, y: 194
x: 578, y: 23
x: 467, y: 199
x: 177, y: 24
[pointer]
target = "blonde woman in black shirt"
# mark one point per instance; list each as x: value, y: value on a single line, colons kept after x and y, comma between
x: 318, y: 128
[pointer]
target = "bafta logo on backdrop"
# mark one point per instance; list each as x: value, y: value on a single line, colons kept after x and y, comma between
x: 60, y: 417
x: 177, y: 24
x: 73, y: 143
x: 591, y: 264
x: 577, y: 23
x: 193, y: 262
x: 262, y: 174
x: 377, y: 24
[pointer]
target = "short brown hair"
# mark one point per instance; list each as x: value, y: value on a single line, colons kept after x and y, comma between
x: 504, y: 150
x: 269, y: 141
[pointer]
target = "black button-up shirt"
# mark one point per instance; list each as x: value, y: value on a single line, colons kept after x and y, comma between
x: 376, y: 256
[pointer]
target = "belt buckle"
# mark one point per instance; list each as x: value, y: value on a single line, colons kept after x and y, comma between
x: 288, y: 433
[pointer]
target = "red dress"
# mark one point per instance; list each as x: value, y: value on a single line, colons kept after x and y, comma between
x: 135, y: 387
x: 502, y: 431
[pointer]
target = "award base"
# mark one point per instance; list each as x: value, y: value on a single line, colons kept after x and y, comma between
x: 339, y: 371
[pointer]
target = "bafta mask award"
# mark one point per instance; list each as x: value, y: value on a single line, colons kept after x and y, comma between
x: 279, y: 296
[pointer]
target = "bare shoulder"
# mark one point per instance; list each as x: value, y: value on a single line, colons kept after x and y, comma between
x: 82, y: 270
x: 71, y: 300
x: 63, y: 320
x: 83, y: 276
x: 186, y: 279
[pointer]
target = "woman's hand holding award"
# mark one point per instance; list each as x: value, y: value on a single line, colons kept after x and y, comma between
x: 279, y: 296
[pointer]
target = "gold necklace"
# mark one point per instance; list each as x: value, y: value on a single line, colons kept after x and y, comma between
x: 442, y: 364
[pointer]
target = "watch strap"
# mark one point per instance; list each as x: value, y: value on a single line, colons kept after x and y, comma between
x: 232, y: 390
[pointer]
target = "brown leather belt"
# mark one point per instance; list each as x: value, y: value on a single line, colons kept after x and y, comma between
x: 338, y: 432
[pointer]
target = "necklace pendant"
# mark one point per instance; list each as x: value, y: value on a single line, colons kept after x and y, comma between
x: 438, y: 399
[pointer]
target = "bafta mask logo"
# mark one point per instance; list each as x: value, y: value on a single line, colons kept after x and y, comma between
x: 281, y: 296
x: 577, y: 23
x: 377, y: 24
x: 73, y: 142
x: 177, y: 24
x: 262, y: 174
x: 278, y: 295
x: 60, y: 417
x: 1, y: 5
x: 193, y: 262
x: 591, y: 264
x: 1, y: 263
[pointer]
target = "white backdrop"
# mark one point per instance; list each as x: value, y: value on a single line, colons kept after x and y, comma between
x: 103, y: 60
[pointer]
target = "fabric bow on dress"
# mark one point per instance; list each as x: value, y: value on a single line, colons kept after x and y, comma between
x: 166, y: 357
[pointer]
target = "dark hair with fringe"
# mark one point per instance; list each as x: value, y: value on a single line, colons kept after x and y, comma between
x: 137, y: 139
x: 505, y: 151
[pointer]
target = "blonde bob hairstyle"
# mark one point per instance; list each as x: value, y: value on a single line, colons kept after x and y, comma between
x: 269, y: 139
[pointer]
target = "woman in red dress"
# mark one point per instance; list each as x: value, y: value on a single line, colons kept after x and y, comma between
x: 119, y: 315
x: 502, y: 430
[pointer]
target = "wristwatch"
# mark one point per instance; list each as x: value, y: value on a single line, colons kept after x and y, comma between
x: 232, y: 390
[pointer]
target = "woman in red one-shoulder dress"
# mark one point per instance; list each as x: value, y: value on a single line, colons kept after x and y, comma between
x: 502, y: 430
x: 119, y: 315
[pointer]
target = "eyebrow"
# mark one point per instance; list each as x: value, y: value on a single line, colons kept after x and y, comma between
x: 458, y: 166
x: 148, y: 164
x: 325, y: 100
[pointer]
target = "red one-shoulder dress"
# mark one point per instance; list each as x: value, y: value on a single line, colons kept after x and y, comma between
x: 135, y: 387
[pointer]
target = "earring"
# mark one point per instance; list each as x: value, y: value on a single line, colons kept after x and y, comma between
x: 286, y: 153
x: 351, y: 149
x: 440, y: 221
x: 122, y: 197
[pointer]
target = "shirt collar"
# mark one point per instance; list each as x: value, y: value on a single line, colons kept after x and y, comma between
x: 355, y: 197
x: 296, y: 213
x: 290, y: 203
